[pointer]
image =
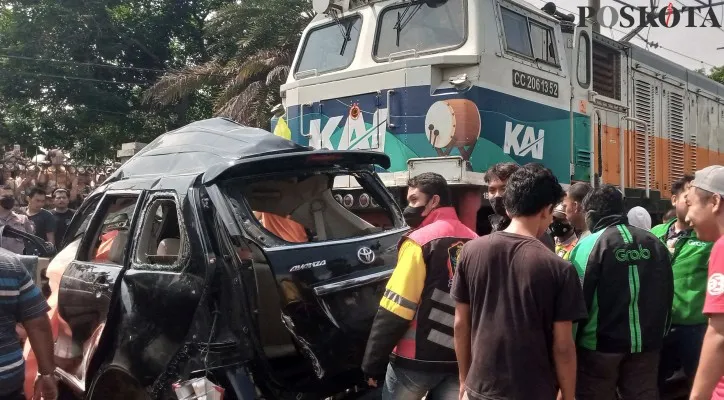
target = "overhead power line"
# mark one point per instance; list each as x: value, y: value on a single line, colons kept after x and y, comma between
x: 76, y: 78
x: 111, y: 66
x: 651, y: 44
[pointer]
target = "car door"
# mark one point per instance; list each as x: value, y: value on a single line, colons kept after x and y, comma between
x: 87, y: 285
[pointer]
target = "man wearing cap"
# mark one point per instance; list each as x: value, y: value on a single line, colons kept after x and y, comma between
x: 563, y: 232
x: 705, y: 201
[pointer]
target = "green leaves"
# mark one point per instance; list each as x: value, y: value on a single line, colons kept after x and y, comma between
x: 88, y: 75
x: 253, y: 42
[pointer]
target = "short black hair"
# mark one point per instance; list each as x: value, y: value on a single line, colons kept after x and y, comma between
x: 432, y: 184
x: 604, y: 200
x: 578, y: 191
x: 677, y: 186
x: 61, y: 190
x: 35, y: 191
x: 500, y: 171
x: 530, y: 189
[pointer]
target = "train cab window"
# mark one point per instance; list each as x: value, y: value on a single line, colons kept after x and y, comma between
x: 418, y: 28
x: 517, y: 36
x: 544, y: 44
x: 330, y: 47
x: 529, y: 38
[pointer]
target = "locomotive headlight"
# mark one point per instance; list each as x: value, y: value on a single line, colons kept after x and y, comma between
x: 364, y: 200
x: 348, y: 200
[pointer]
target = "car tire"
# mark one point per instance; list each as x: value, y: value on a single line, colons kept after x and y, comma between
x: 115, y: 383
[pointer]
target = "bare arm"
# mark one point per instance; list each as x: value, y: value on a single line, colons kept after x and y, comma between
x: 711, y: 367
x: 564, y: 357
x: 51, y: 237
x: 41, y: 340
x: 462, y: 339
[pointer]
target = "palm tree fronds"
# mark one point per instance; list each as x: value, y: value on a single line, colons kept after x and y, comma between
x: 277, y: 75
x: 181, y: 83
x: 240, y: 107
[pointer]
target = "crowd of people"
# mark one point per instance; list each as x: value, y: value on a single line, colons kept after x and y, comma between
x: 571, y: 295
x: 39, y: 197
x: 36, y: 198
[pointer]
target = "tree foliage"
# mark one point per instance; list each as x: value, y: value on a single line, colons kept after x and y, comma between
x: 73, y: 72
x: 254, y: 42
x: 88, y: 75
x: 717, y: 74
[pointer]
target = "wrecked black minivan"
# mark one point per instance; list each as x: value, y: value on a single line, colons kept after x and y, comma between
x: 220, y: 251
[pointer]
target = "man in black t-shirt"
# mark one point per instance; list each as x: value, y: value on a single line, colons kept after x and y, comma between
x: 62, y: 215
x: 42, y: 219
x: 516, y: 302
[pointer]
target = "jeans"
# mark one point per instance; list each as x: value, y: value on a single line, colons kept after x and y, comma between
x: 601, y: 374
x: 406, y: 384
x: 682, y: 347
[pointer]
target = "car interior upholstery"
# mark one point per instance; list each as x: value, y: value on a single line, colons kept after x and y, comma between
x: 309, y: 201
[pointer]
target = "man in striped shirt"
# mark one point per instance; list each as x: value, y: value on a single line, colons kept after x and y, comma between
x: 21, y: 302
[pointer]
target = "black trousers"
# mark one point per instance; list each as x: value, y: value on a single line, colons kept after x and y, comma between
x: 601, y: 375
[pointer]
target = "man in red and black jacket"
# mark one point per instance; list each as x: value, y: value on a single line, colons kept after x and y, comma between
x: 413, y: 329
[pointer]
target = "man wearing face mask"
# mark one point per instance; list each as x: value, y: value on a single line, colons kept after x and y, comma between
x: 563, y: 232
x: 10, y: 218
x: 411, y: 341
x: 496, y: 177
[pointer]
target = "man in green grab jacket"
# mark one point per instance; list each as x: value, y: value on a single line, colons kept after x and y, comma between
x: 628, y: 288
x: 689, y: 261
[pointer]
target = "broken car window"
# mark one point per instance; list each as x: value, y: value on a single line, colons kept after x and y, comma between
x: 305, y: 208
x: 160, y: 240
x: 109, y: 241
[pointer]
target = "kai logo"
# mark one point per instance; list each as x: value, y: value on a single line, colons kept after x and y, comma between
x: 355, y: 134
x: 625, y: 255
x: 529, y: 144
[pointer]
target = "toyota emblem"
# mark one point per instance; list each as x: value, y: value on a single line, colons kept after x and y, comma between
x: 366, y: 255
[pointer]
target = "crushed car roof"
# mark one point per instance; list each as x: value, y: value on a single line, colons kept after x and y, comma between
x: 196, y: 147
x: 213, y: 147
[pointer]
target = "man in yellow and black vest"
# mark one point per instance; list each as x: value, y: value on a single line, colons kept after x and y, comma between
x: 413, y: 328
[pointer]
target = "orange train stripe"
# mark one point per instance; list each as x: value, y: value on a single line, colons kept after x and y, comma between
x: 662, y: 161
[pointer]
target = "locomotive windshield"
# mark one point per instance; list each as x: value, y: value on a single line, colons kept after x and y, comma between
x: 330, y: 47
x: 419, y: 27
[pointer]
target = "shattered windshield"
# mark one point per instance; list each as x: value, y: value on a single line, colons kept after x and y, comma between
x: 416, y: 26
x: 302, y: 207
x: 330, y: 47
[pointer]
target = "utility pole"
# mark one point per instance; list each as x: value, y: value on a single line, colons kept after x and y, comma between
x: 595, y: 5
